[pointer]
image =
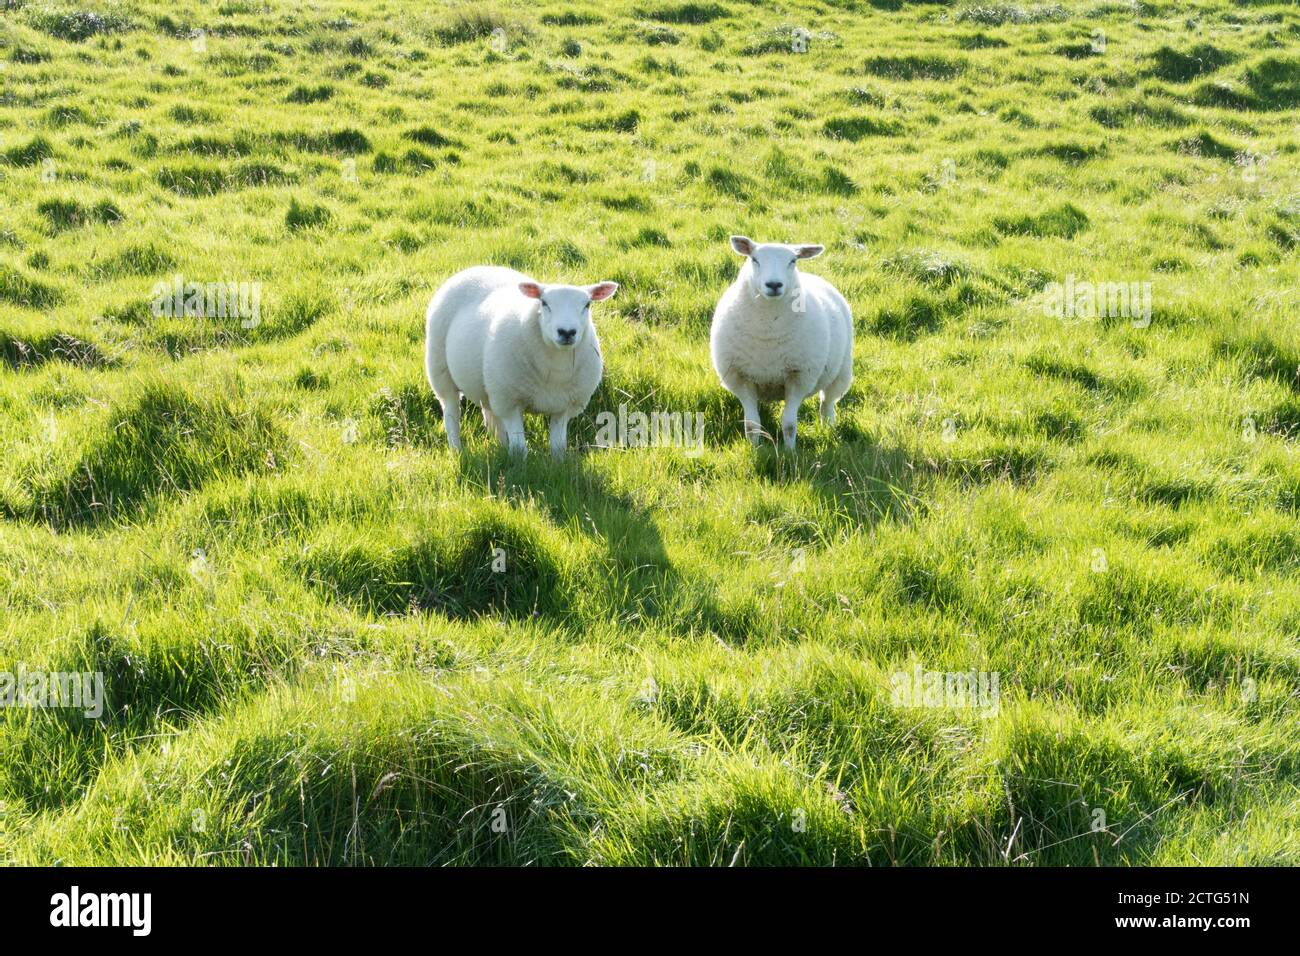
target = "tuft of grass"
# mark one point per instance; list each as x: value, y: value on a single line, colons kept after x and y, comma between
x: 854, y: 128
x: 137, y: 259
x: 34, y: 151
x: 1064, y: 221
x: 1175, y: 66
x: 194, y: 179
x: 76, y: 26
x: 1205, y: 144
x: 427, y: 136
x: 62, y: 214
x: 17, y: 288
x: 997, y: 14
x: 452, y: 574
x: 320, y: 93
x: 28, y: 55
x: 162, y: 441
x: 1274, y: 82
x: 28, y: 353
x: 915, y: 67
x: 472, y: 22
x: 301, y: 216
x: 693, y: 14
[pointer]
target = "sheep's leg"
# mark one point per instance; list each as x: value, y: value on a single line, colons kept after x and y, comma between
x: 828, y: 410
x: 513, y: 423
x: 748, y: 395
x: 451, y: 419
x: 794, y: 396
x: 493, y: 425
x: 559, y: 425
x: 448, y: 396
x: 836, y: 390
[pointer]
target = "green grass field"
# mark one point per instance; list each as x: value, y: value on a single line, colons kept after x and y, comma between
x: 294, y: 592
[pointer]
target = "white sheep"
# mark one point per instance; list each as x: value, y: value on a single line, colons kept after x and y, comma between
x: 512, y: 345
x: 779, y: 334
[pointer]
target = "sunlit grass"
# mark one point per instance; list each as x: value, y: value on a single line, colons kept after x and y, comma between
x: 328, y: 640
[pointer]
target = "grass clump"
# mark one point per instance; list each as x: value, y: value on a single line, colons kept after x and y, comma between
x: 76, y: 26
x: 1175, y: 66
x: 63, y: 214
x: 472, y: 22
x: 693, y: 14
x: 25, y: 353
x: 18, y: 288
x: 1063, y: 221
x: 34, y: 151
x: 162, y: 442
x: 490, y: 563
x: 300, y: 216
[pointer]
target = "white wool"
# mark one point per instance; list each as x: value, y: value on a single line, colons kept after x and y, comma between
x: 789, y: 346
x: 488, y: 340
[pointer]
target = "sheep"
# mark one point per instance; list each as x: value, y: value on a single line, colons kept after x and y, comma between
x: 512, y: 345
x: 779, y: 334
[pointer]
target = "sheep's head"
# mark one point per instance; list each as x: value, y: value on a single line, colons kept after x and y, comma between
x: 773, y: 267
x: 564, y: 313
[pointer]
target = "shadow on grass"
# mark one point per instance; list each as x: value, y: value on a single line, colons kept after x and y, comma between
x: 860, y: 479
x: 635, y: 583
x: 162, y: 442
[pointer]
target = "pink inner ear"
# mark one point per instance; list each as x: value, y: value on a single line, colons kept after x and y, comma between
x: 602, y: 291
x: 531, y: 289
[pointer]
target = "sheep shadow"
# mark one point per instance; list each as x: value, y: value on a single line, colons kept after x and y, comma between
x: 861, y: 479
x: 635, y: 583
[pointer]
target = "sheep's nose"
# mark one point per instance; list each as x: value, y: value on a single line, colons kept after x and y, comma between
x: 566, y: 335
x: 774, y: 287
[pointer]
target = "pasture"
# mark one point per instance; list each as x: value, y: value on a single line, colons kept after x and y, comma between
x: 1065, y: 479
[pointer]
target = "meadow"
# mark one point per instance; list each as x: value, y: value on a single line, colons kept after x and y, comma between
x: 327, y: 639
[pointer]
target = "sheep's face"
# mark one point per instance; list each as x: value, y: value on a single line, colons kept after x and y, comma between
x: 564, y: 311
x: 773, y: 271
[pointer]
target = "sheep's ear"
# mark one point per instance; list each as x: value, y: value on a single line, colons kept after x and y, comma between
x: 808, y: 252
x: 743, y: 245
x: 531, y: 289
x: 602, y: 291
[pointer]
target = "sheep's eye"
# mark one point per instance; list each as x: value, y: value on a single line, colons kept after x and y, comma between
x: 794, y: 260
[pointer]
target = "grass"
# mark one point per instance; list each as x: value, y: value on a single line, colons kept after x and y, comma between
x: 328, y: 640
